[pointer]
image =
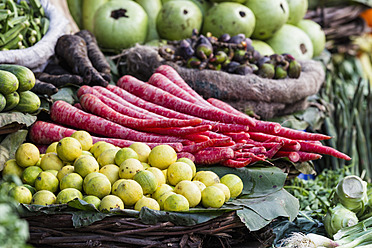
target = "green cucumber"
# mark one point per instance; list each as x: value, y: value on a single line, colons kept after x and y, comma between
x: 12, y: 101
x: 29, y: 102
x: 25, y: 76
x: 8, y: 82
x: 2, y: 102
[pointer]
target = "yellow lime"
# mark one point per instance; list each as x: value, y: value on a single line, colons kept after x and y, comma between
x: 161, y: 190
x: 107, y: 157
x: 146, y: 202
x: 99, y: 186
x: 92, y: 199
x: 30, y: 174
x: 51, y: 161
x: 207, y: 177
x: 125, y: 153
x: 142, y: 149
x: 52, y: 148
x: 84, y: 138
x: 90, y: 176
x: 21, y: 194
x: 12, y: 168
x: 129, y: 168
x: 31, y: 188
x: 68, y: 194
x: 129, y: 192
x: 224, y: 189
x: 27, y: 155
x: 176, y: 203
x: 46, y: 180
x: 200, y: 185
x: 165, y: 173
x: 189, y: 162
x: 110, y: 202
x: 43, y: 197
x: 161, y: 199
x: 101, y: 148
x: 95, y: 145
x: 71, y: 180
x: 67, y: 169
x: 115, y: 185
x: 54, y: 172
x: 68, y: 149
x: 147, y: 180
x: 178, y: 172
x: 111, y: 171
x: 234, y: 183
x: 189, y: 190
x: 86, y: 153
x: 38, y: 162
x: 145, y: 165
x: 162, y: 156
x: 160, y: 178
x: 86, y: 164
x: 212, y: 197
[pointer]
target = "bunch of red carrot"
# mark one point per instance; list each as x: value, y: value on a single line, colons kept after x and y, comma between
x: 166, y: 110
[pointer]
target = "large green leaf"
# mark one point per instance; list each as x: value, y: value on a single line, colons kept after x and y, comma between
x: 258, y: 212
x: 67, y: 94
x: 10, y: 144
x: 16, y: 117
x: 258, y: 181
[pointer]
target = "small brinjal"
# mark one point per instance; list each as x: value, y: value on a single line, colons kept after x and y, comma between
x: 237, y: 39
x: 243, y: 70
x: 266, y: 71
x: 224, y: 38
x: 294, y: 69
x: 240, y: 55
x: 185, y: 50
x: 232, y: 66
x: 193, y: 62
x: 204, y: 51
x: 280, y: 72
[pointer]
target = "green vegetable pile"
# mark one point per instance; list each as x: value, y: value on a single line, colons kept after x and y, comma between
x: 13, y: 230
x: 21, y: 24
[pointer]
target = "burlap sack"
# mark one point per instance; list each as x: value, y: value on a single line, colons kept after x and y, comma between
x: 266, y: 97
x: 35, y: 57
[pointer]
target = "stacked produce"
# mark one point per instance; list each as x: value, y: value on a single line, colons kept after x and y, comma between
x: 166, y: 110
x: 23, y: 23
x: 17, y: 84
x: 113, y: 178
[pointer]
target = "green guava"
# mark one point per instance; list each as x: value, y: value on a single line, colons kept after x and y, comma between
x: 230, y: 18
x: 297, y: 10
x: 316, y: 34
x: 262, y: 47
x: 270, y: 15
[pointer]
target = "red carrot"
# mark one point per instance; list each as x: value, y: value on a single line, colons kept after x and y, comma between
x: 213, y: 156
x: 64, y: 113
x: 196, y: 137
x: 266, y: 127
x: 263, y: 137
x: 162, y: 82
x: 224, y: 106
x: 78, y: 106
x: 301, y: 135
x: 178, y: 131
x: 287, y: 147
x: 238, y: 136
x: 173, y: 75
x: 186, y: 155
x: 248, y: 155
x: 292, y: 156
x: 104, y: 92
x: 94, y: 105
x: 223, y: 142
x: 46, y: 133
x: 313, y: 148
x: 129, y: 109
x: 233, y: 163
x: 163, y: 98
x: 166, y: 112
x: 256, y: 150
x: 307, y: 156
x: 271, y: 153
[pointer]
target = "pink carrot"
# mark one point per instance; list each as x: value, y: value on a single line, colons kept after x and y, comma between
x: 178, y: 131
x: 233, y: 163
x: 162, y: 82
x: 66, y: 114
x: 166, y: 112
x: 287, y: 147
x: 256, y: 150
x: 94, y: 105
x: 266, y: 127
x: 271, y: 153
x: 196, y: 137
x: 78, y: 106
x: 224, y: 106
x: 248, y: 155
x: 223, y: 142
x: 186, y: 155
x: 238, y: 136
x: 301, y: 135
x: 173, y: 75
x: 307, y: 156
x: 213, y: 156
x: 129, y: 109
x: 313, y: 148
x: 292, y: 156
x: 198, y: 146
x: 263, y: 137
x: 163, y: 98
